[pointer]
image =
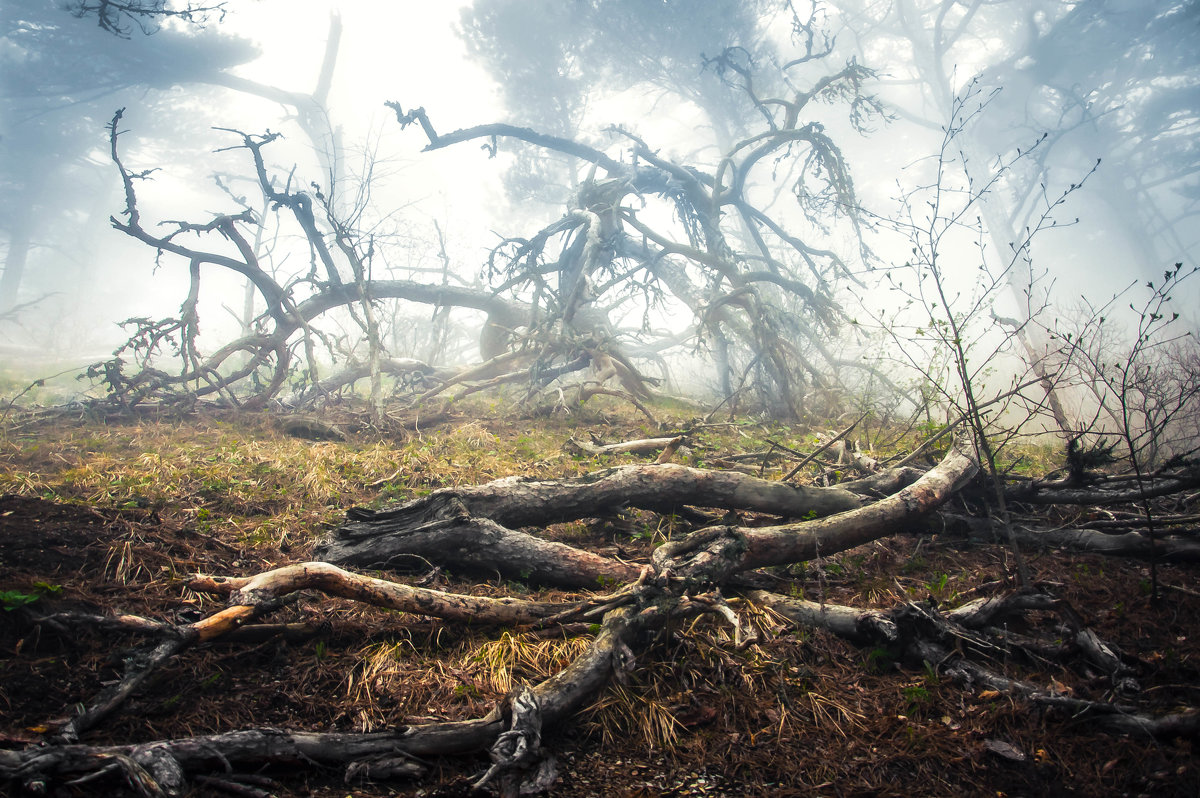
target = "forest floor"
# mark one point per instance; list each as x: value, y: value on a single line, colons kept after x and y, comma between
x: 115, y: 515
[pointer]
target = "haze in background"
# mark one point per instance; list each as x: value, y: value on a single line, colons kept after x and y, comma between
x: 1109, y: 79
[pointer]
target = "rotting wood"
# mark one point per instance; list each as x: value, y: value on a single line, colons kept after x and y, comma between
x: 459, y: 522
x: 465, y: 527
x: 519, y: 501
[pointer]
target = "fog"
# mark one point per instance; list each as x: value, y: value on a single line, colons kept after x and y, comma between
x: 868, y: 194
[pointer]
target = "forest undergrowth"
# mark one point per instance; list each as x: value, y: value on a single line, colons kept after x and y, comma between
x: 114, y: 514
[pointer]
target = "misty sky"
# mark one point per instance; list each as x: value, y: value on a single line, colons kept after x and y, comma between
x: 86, y: 276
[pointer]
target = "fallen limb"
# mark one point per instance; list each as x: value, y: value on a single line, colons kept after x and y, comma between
x: 1110, y: 717
x: 729, y: 549
x: 474, y: 544
x: 329, y: 579
x: 853, y: 624
x: 642, y: 446
x: 160, y: 765
x: 1114, y: 490
x: 375, y: 538
x: 944, y: 642
x: 1164, y: 547
x: 140, y: 663
x: 255, y: 596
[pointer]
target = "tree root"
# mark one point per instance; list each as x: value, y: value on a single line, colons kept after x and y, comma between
x: 685, y: 578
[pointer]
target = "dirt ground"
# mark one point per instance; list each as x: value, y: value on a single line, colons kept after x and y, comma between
x: 799, y: 714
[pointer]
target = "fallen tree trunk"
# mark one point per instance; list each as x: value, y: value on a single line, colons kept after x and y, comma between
x: 519, y: 501
x: 467, y: 527
x: 725, y: 550
x: 685, y: 577
x: 804, y: 541
x: 478, y: 545
x: 1164, y: 548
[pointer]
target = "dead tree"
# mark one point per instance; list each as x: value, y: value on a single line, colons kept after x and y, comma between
x: 760, y: 296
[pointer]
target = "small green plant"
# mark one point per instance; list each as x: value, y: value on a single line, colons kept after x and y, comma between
x: 916, y: 696
x: 466, y: 691
x: 15, y: 599
x: 931, y: 674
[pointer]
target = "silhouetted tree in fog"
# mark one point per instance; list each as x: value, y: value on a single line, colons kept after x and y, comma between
x: 60, y: 75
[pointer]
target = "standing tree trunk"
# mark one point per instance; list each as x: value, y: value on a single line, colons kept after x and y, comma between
x: 20, y: 241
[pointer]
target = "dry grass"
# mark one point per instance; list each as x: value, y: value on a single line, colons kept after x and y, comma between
x: 792, y: 713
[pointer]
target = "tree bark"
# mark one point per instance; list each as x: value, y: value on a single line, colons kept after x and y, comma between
x: 329, y: 579
x: 518, y: 501
x: 475, y: 544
